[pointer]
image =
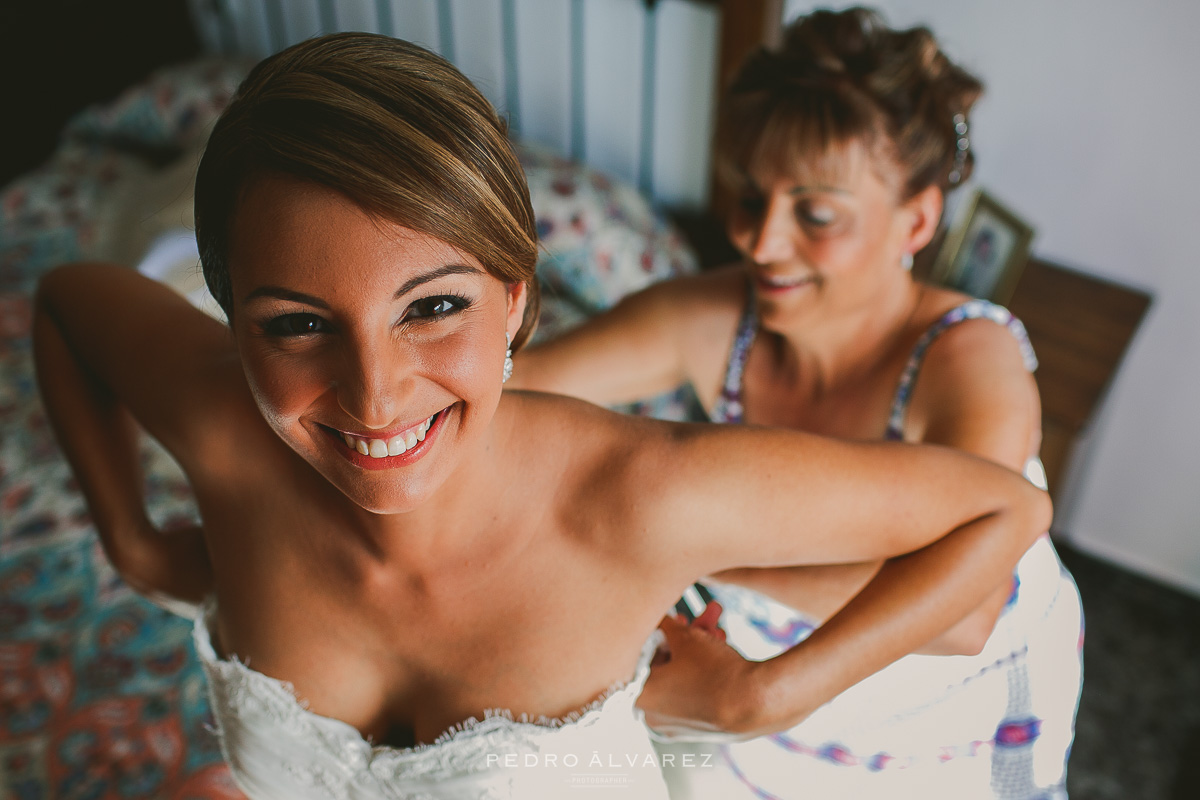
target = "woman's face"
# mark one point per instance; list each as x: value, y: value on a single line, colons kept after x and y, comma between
x: 375, y: 352
x: 827, y: 244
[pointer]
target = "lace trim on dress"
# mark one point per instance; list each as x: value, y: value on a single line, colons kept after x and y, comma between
x: 249, y: 705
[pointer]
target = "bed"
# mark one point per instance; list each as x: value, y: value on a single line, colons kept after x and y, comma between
x: 101, y: 695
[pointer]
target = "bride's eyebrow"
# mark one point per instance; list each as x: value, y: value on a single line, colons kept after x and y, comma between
x: 434, y: 274
x: 412, y: 283
x: 286, y: 294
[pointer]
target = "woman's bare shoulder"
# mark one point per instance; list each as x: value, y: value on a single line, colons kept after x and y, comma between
x: 597, y: 466
x: 570, y: 430
x: 972, y: 344
x: 975, y: 391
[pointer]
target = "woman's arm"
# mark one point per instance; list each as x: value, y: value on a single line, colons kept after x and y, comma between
x: 770, y: 496
x: 974, y: 394
x: 707, y: 686
x: 730, y: 494
x: 622, y: 355
x: 645, y: 345
x: 101, y: 336
x: 819, y: 592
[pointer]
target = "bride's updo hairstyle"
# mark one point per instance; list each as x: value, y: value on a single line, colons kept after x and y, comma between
x: 396, y: 129
x: 845, y: 78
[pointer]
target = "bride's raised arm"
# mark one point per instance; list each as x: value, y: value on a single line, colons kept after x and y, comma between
x: 772, y: 497
x: 736, y: 495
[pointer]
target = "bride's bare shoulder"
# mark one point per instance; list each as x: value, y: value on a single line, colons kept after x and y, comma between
x: 558, y: 422
x: 598, y: 462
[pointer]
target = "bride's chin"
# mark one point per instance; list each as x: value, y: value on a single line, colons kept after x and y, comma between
x: 385, y: 503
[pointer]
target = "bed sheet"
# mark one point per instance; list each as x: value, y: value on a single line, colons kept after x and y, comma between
x: 101, y: 695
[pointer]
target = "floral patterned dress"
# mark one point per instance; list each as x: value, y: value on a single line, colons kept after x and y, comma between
x: 994, y: 725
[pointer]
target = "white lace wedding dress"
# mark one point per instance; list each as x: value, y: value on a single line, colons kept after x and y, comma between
x: 278, y: 749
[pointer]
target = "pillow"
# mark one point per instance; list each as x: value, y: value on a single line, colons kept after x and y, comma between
x: 601, y: 238
x: 169, y: 112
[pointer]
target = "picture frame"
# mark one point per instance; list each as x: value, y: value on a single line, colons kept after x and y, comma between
x: 985, y: 252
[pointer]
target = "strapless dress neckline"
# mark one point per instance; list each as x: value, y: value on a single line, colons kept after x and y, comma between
x: 277, y: 748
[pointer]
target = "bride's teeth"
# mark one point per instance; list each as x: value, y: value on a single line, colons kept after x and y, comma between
x: 398, y: 444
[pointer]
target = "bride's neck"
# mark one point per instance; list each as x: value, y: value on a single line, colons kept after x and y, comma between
x: 454, y: 521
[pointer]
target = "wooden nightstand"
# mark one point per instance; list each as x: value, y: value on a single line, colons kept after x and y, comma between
x: 1080, y: 327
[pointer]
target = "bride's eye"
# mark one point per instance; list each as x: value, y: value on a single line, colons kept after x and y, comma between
x: 292, y: 325
x: 437, y: 306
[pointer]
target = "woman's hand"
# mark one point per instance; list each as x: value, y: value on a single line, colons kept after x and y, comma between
x: 99, y: 398
x: 169, y: 568
x: 827, y: 501
x: 702, y: 685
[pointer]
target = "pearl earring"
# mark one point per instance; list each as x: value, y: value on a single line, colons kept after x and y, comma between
x: 906, y: 261
x: 508, y: 364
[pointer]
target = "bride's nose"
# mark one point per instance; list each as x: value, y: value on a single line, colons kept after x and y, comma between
x: 374, y: 381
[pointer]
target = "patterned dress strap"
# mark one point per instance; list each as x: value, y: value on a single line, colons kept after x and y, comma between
x: 972, y: 309
x: 729, y: 408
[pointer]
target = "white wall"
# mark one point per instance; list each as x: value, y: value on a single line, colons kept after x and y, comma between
x: 1086, y: 131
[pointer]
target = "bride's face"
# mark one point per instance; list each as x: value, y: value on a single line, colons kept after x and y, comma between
x: 374, y: 351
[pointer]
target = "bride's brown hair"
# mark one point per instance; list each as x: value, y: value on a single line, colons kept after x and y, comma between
x: 845, y: 78
x: 397, y: 129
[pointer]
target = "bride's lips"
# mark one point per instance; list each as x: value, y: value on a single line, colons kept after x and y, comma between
x: 402, y: 448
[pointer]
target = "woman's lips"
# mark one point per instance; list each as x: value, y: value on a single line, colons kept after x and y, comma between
x: 377, y: 451
x: 777, y: 284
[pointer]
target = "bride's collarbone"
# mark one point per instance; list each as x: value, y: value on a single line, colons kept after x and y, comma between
x: 426, y: 652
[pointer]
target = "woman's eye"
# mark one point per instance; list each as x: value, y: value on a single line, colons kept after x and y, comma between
x: 815, y: 215
x: 295, y: 325
x: 438, y: 306
x: 752, y: 204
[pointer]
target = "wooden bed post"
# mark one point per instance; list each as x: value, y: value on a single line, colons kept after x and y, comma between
x: 745, y: 26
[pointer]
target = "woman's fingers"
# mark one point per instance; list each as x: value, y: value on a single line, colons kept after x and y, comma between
x: 710, y: 619
x: 701, y: 683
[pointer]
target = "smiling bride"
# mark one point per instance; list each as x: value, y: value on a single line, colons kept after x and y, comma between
x: 391, y: 548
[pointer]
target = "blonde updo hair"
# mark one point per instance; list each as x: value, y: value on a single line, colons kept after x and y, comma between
x: 397, y: 129
x: 842, y: 78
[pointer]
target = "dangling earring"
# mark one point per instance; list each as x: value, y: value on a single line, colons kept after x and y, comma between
x: 906, y: 261
x: 508, y: 365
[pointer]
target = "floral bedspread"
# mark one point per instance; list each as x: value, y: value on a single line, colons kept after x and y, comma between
x: 101, y: 695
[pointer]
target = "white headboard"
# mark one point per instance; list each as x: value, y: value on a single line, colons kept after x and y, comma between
x: 626, y: 86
